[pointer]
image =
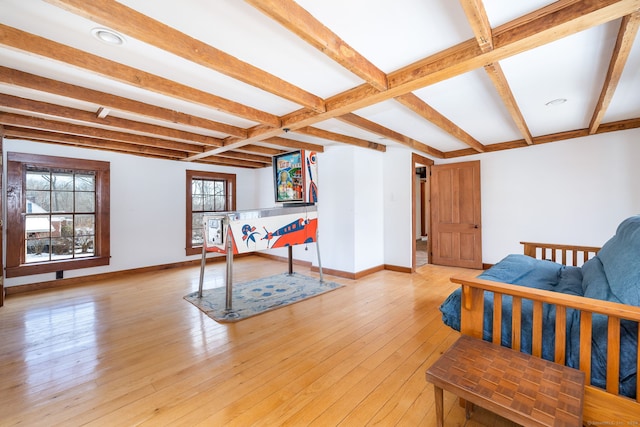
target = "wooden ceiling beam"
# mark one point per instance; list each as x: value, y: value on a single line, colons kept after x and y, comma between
x: 246, y: 156
x: 548, y: 24
x: 293, y: 144
x: 501, y: 84
x: 28, y: 106
x: 93, y: 143
x: 424, y: 110
x: 40, y: 46
x: 370, y: 126
x: 221, y: 161
x: 535, y: 29
x: 300, y: 22
x: 538, y: 28
x: 345, y: 139
x: 532, y: 30
x: 522, y: 35
x: 113, y: 102
x: 619, y: 125
x: 479, y: 21
x: 139, y: 26
x: 477, y: 17
x: 624, y: 42
x: 91, y: 132
x: 549, y: 138
x: 268, y: 151
x: 258, y: 134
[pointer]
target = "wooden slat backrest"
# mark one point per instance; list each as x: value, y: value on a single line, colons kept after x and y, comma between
x: 613, y: 353
x: 560, y: 253
x: 561, y: 334
x: 536, y: 346
x: 516, y: 321
x: 497, y: 318
x: 585, y: 344
x: 472, y: 319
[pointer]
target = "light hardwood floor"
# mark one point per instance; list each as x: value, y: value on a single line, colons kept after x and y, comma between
x: 131, y: 351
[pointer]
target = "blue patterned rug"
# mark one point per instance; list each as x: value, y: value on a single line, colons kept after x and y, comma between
x: 259, y: 296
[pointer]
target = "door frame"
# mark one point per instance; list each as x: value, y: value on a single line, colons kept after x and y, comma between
x: 418, y: 161
x: 2, y: 216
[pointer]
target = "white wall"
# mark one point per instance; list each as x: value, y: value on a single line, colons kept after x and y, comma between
x: 368, y: 170
x: 336, y: 208
x: 147, y: 207
x: 398, y: 174
x: 572, y: 192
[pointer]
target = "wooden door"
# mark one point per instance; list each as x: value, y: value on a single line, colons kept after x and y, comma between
x: 455, y: 215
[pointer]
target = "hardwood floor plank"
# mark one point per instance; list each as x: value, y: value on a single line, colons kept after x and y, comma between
x: 131, y: 351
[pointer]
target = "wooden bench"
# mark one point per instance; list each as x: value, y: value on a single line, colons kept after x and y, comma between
x: 524, y: 389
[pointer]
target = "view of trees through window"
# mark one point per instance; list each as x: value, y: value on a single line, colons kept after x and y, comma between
x: 206, y: 196
x: 207, y: 193
x: 60, y: 214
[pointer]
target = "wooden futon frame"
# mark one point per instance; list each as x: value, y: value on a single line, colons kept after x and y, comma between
x: 601, y: 407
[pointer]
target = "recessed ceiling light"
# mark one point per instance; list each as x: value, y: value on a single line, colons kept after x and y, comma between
x: 107, y: 36
x: 557, y: 101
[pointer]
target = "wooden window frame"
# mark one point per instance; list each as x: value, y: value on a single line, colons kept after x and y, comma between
x: 230, y: 180
x: 16, y: 175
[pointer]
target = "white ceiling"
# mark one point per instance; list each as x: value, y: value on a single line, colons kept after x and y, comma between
x: 390, y: 35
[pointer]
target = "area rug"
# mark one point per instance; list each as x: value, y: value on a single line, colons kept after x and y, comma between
x: 258, y: 296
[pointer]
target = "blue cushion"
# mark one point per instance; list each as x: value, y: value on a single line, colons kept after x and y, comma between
x: 620, y: 258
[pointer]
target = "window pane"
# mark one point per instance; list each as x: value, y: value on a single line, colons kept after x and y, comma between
x: 62, y: 201
x: 38, y: 180
x: 85, y: 231
x: 61, y: 237
x: 90, y: 251
x: 209, y: 202
x: 61, y: 248
x: 38, y: 201
x: 208, y: 187
x: 62, y: 181
x: 62, y: 226
x: 220, y: 204
x: 85, y: 181
x: 85, y: 223
x: 197, y: 203
x: 37, y: 249
x: 219, y: 188
x: 85, y: 202
x: 37, y: 238
x: 196, y: 187
x: 197, y: 237
x: 37, y: 225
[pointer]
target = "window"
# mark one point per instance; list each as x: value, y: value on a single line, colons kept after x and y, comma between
x: 58, y: 214
x: 207, y: 192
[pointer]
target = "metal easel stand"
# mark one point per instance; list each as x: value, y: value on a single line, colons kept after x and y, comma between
x: 318, y: 253
x: 202, y: 264
x: 229, y: 314
x: 290, y: 253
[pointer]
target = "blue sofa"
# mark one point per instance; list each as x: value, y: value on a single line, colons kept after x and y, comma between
x: 612, y: 275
